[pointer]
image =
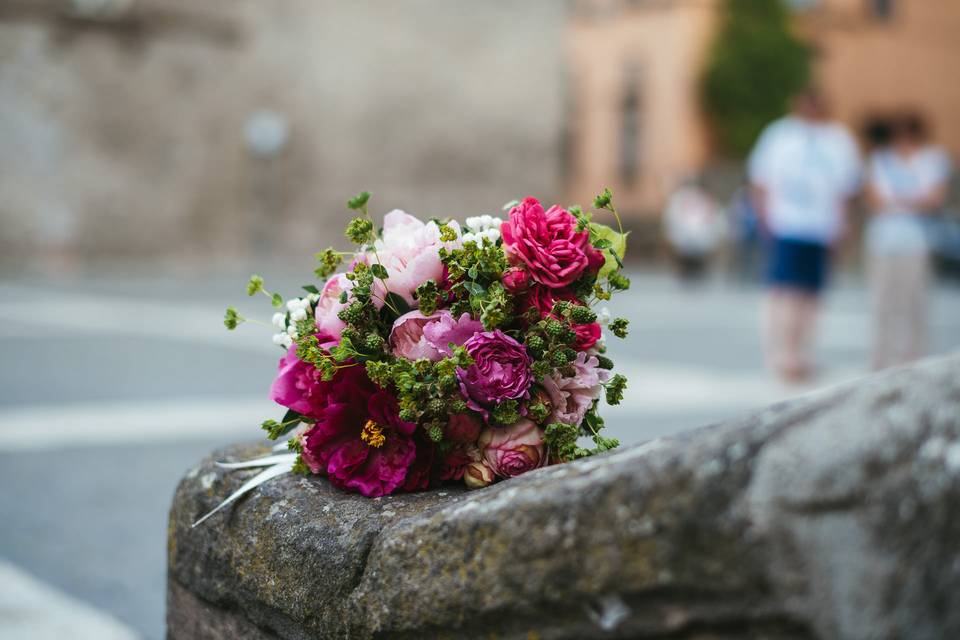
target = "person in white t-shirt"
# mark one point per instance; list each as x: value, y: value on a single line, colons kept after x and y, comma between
x: 803, y: 171
x: 693, y: 227
x: 906, y: 183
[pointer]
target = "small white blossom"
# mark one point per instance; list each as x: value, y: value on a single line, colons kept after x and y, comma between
x: 470, y: 237
x: 292, y: 330
x: 473, y: 222
x: 298, y: 314
x: 278, y: 338
x: 604, y: 316
x: 287, y: 341
x: 279, y: 320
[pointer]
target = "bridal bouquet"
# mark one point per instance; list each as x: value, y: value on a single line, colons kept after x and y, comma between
x: 447, y: 352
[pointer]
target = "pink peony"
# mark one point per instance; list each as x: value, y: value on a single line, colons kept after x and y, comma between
x: 298, y: 385
x: 500, y: 370
x: 329, y: 305
x: 416, y: 336
x: 571, y: 398
x: 511, y: 451
x: 449, y: 330
x: 409, y: 250
x: 360, y: 442
x: 547, y: 243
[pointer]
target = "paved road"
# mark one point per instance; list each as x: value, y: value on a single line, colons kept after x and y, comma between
x: 113, y: 387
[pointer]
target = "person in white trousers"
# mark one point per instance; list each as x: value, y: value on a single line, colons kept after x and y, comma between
x: 907, y: 183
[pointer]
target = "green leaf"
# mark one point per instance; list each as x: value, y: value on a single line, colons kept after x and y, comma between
x: 474, y: 289
x: 343, y: 297
x: 379, y: 271
x: 358, y: 201
x: 613, y: 253
x: 309, y: 288
x: 277, y: 300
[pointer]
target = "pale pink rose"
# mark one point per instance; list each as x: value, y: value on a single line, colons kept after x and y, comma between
x: 477, y: 475
x: 416, y: 336
x: 572, y: 397
x: 407, y: 339
x: 329, y: 305
x: 409, y: 250
x: 511, y: 451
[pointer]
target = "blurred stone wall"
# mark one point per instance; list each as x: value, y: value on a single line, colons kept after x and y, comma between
x: 123, y: 122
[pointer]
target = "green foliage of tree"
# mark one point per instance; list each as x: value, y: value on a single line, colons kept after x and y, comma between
x: 755, y: 65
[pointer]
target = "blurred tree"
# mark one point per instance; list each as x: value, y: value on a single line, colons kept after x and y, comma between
x: 755, y: 65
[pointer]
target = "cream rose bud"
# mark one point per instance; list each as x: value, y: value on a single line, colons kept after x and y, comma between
x: 514, y: 450
x: 477, y: 475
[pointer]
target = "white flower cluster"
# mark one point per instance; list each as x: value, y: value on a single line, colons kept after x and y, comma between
x: 297, y: 309
x: 481, y: 227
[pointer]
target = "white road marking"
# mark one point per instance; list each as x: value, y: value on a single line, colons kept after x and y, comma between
x: 31, y: 609
x: 32, y: 428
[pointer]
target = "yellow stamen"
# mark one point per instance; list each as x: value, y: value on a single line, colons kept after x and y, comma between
x: 372, y: 434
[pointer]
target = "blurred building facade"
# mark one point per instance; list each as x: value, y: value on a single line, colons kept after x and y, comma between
x: 173, y: 128
x: 157, y: 128
x: 633, y: 116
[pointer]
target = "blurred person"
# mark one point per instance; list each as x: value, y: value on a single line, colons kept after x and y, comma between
x: 693, y: 227
x: 907, y: 182
x: 803, y: 170
x: 746, y: 233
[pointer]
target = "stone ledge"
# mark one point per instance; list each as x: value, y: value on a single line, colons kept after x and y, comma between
x: 831, y: 516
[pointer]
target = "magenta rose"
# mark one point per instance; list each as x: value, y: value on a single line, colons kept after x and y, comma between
x: 416, y: 336
x: 543, y: 298
x: 514, y: 450
x: 547, y: 243
x: 500, y: 370
x: 516, y: 280
x: 360, y: 442
x: 298, y: 385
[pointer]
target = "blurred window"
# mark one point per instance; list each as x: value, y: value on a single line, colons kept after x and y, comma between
x: 880, y: 9
x: 630, y: 127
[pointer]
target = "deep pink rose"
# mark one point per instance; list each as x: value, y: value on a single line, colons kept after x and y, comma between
x: 543, y: 298
x: 298, y: 385
x: 454, y: 464
x: 511, y: 451
x: 516, y: 280
x: 554, y: 252
x: 359, y: 441
x: 595, y: 259
x: 329, y: 305
x: 500, y: 371
x: 463, y: 428
x: 421, y: 473
x: 416, y: 336
x: 587, y: 335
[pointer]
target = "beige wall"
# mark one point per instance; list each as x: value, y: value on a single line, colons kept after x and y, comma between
x: 910, y: 61
x: 665, y: 42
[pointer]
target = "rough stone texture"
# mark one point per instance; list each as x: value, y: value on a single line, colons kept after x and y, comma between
x: 833, y: 516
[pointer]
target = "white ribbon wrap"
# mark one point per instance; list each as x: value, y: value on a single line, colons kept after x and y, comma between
x: 277, y: 465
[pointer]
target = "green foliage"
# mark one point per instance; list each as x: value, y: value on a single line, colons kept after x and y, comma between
x: 327, y: 262
x: 360, y: 230
x: 254, y: 285
x: 232, y: 318
x: 754, y: 67
x: 614, y: 389
x: 619, y: 327
x: 359, y: 201
x: 612, y: 243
